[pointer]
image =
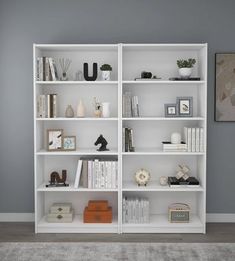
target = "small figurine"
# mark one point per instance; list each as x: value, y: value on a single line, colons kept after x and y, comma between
x: 182, y: 172
x: 98, y: 108
x: 101, y: 140
x: 57, y: 181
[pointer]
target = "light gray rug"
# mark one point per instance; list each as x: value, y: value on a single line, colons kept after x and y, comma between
x: 117, y: 251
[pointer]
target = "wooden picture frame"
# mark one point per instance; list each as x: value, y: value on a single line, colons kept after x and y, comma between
x: 224, y: 87
x: 171, y: 110
x: 54, y: 139
x: 69, y: 143
x: 185, y: 106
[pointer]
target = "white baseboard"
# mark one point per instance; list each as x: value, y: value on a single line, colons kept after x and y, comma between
x: 220, y: 217
x: 16, y: 217
x: 29, y: 217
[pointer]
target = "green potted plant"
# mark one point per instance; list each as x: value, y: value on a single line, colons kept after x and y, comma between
x: 106, y: 71
x: 185, y: 67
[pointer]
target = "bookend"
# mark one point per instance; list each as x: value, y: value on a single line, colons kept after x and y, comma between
x: 57, y: 181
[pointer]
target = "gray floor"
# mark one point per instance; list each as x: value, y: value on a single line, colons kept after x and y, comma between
x: 24, y: 232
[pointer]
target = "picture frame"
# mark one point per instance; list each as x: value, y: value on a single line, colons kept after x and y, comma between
x: 54, y: 139
x: 185, y: 106
x: 224, y: 110
x: 69, y: 143
x: 171, y: 110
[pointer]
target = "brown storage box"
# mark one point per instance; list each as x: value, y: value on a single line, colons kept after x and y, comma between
x: 97, y: 216
x: 98, y: 205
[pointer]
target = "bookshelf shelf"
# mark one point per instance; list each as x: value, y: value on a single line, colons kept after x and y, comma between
x: 155, y: 186
x: 76, y: 82
x: 149, y: 130
x: 43, y: 188
x: 77, y: 153
x: 77, y: 119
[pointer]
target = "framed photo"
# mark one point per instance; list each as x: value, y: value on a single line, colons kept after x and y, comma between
x: 225, y: 87
x: 54, y: 139
x: 185, y: 106
x: 69, y: 143
x: 171, y: 110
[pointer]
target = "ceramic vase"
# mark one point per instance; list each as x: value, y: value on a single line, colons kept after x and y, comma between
x: 163, y: 180
x: 69, y: 113
x: 175, y: 138
x: 106, y: 75
x: 106, y: 109
x: 80, y: 109
x: 185, y: 72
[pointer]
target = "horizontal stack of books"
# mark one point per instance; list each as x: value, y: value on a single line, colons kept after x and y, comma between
x: 97, y: 174
x: 46, y: 69
x: 170, y: 147
x: 135, y: 210
x: 47, y: 106
x: 127, y: 140
x: 190, y: 182
x: 194, y: 138
x: 130, y: 105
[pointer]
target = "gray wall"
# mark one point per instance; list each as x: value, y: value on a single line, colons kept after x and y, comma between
x: 24, y: 22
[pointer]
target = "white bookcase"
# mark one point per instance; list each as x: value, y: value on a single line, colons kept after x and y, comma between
x: 127, y: 60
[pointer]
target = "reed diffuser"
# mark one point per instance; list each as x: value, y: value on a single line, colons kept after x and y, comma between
x: 64, y: 64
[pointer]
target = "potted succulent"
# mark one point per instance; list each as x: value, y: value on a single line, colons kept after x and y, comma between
x: 185, y: 67
x: 106, y: 71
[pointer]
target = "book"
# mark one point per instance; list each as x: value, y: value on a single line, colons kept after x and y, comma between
x: 201, y: 142
x: 176, y: 183
x: 84, y: 175
x: 193, y: 140
x: 52, y: 69
x: 189, y: 139
x: 168, y: 146
x: 41, y: 106
x: 197, y: 142
x: 78, y: 174
x: 185, y: 79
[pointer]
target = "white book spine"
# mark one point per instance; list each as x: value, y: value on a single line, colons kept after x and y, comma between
x: 41, y: 69
x: 201, y: 140
x: 54, y: 106
x: 89, y: 174
x: 48, y: 106
x: 186, y: 135
x: 52, y: 68
x: 189, y: 138
x: 47, y: 73
x: 193, y: 139
x: 78, y: 174
x: 197, y: 148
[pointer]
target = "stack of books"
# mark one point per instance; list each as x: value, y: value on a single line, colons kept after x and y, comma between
x: 130, y: 105
x: 46, y: 69
x: 127, y: 140
x: 194, y: 138
x: 169, y: 147
x: 47, y: 106
x: 190, y: 182
x: 135, y: 210
x: 96, y: 174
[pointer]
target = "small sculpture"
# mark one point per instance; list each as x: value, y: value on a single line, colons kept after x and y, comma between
x: 98, y: 108
x: 64, y: 64
x: 101, y: 140
x: 86, y: 74
x: 80, y: 109
x: 163, y: 180
x: 69, y: 113
x: 142, y: 177
x: 182, y: 172
x: 57, y: 181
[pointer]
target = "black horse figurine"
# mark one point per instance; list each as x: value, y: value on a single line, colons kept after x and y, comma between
x: 101, y: 140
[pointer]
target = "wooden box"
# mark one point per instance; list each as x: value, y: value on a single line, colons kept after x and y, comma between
x: 98, y: 205
x: 97, y: 216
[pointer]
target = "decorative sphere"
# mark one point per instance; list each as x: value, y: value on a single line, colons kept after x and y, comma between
x: 175, y: 138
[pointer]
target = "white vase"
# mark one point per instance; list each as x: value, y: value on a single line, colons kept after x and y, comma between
x: 106, y: 109
x: 175, y: 138
x: 80, y: 109
x: 185, y: 72
x: 106, y: 75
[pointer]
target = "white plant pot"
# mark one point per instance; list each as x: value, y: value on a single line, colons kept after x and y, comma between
x: 106, y: 75
x: 185, y: 72
x: 106, y: 109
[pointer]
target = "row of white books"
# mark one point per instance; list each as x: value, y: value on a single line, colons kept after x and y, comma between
x: 194, y: 138
x: 47, y: 106
x: 135, y: 210
x: 46, y: 69
x: 130, y: 105
x: 96, y: 174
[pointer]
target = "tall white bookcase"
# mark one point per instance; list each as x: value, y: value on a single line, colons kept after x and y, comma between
x: 127, y: 60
